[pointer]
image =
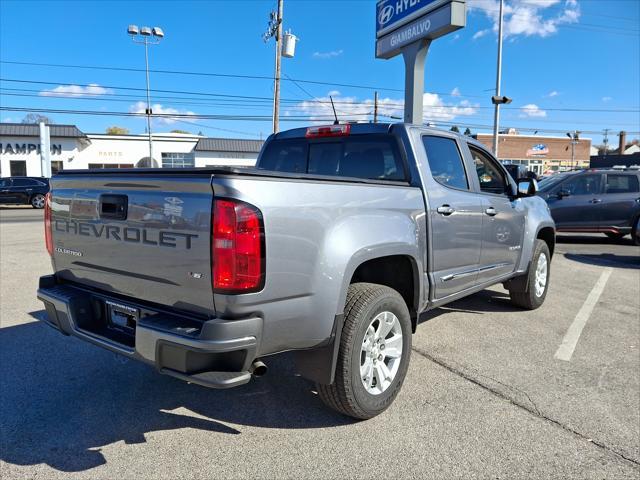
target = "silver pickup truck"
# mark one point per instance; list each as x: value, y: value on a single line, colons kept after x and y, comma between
x: 333, y: 246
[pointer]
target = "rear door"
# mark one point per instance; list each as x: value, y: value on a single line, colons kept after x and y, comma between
x: 503, y: 217
x: 23, y: 188
x: 142, y: 235
x: 455, y: 217
x: 574, y: 203
x: 621, y: 200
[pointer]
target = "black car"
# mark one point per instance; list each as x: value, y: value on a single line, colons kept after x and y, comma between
x: 604, y: 201
x: 24, y: 191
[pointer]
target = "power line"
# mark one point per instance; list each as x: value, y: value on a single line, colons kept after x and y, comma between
x: 229, y: 98
x: 266, y: 118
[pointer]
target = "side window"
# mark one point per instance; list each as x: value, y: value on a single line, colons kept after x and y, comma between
x: 622, y: 184
x: 24, y: 182
x: 492, y: 178
x: 582, y: 185
x: 445, y: 162
x: 285, y: 156
x: 5, y: 182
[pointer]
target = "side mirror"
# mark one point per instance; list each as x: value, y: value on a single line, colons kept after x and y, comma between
x: 527, y: 187
x: 563, y: 193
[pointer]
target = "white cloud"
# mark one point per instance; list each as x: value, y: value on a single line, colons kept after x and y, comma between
x: 607, y: 99
x: 532, y: 111
x: 351, y: 108
x: 158, y: 109
x: 331, y: 54
x: 527, y: 17
x: 552, y: 93
x: 91, y: 90
x: 480, y: 34
x: 455, y: 92
x: 333, y: 93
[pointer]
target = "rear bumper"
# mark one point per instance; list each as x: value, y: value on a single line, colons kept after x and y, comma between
x: 214, y: 353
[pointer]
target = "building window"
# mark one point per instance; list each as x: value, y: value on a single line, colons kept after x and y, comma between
x: 56, y: 166
x: 178, y: 160
x: 18, y: 168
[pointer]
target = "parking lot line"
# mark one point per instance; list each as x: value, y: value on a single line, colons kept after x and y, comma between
x: 570, y: 340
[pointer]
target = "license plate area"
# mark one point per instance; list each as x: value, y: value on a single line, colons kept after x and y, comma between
x: 122, y: 318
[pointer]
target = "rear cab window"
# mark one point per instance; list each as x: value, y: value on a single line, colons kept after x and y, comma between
x: 369, y: 156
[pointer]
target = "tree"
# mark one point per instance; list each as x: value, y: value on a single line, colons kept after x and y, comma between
x: 467, y: 132
x: 36, y: 118
x: 179, y: 131
x: 455, y: 129
x: 115, y: 130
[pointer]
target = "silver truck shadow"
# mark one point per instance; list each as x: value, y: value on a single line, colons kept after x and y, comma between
x: 64, y: 400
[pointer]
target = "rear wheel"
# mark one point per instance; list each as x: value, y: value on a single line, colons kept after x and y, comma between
x: 614, y: 236
x: 530, y: 291
x: 37, y: 201
x: 374, y: 353
x: 635, y: 234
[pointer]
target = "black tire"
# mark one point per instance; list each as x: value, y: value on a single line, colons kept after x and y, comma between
x: 37, y: 201
x: 523, y: 290
x: 347, y: 394
x: 614, y: 236
x: 635, y: 233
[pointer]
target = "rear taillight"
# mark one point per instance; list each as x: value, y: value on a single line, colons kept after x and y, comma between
x: 48, y: 238
x: 237, y: 247
x: 328, y: 131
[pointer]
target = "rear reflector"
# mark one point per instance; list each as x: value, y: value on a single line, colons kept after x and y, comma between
x: 237, y: 247
x: 328, y: 131
x: 48, y: 238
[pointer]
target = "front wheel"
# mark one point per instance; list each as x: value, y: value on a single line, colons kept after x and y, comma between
x: 37, y: 201
x: 530, y: 291
x: 374, y: 352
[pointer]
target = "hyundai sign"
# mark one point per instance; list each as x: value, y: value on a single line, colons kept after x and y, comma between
x: 390, y: 14
x: 447, y: 17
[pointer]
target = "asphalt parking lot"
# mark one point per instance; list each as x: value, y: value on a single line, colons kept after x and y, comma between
x: 490, y: 392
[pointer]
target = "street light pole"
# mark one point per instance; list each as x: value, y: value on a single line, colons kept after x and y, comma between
x: 496, y: 115
x: 146, y: 34
x: 148, y: 110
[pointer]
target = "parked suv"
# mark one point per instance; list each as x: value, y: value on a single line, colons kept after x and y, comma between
x: 24, y: 191
x: 605, y: 201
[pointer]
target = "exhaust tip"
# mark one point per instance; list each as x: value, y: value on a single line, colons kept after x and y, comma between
x: 258, y: 369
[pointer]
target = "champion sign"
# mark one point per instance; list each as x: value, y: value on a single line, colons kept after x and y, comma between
x: 390, y: 14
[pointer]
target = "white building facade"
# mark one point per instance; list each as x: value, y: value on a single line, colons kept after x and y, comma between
x: 20, y: 150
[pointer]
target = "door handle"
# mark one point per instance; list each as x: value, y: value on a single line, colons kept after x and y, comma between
x: 595, y: 200
x: 445, y: 210
x: 492, y: 212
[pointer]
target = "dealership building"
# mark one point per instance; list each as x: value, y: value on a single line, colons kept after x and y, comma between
x: 537, y: 153
x: 70, y: 148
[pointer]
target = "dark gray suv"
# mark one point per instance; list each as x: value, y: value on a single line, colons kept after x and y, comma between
x: 605, y: 201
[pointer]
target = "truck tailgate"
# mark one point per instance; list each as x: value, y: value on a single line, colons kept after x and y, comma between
x: 145, y: 236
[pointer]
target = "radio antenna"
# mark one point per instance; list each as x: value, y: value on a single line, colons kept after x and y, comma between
x: 336, y: 122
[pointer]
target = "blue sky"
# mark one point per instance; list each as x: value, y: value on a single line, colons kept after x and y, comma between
x: 565, y: 62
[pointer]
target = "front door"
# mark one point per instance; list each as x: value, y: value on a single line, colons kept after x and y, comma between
x: 455, y: 219
x: 503, y: 218
x: 6, y: 195
x: 575, y: 203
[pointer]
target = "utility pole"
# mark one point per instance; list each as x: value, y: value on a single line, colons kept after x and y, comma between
x: 375, y: 107
x: 605, y: 140
x: 496, y: 116
x: 574, y: 136
x: 276, y: 80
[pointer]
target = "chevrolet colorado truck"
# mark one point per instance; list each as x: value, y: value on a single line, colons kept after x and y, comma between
x: 334, y: 246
